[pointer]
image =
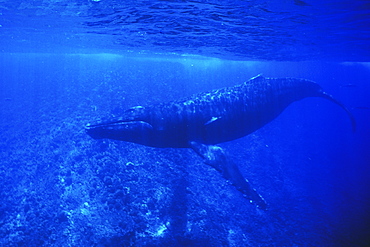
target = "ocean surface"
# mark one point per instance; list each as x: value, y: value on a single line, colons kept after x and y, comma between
x: 65, y: 64
x: 239, y: 30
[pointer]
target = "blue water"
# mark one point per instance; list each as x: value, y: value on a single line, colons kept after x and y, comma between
x: 64, y: 64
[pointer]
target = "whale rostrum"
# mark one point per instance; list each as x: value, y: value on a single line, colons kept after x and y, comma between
x: 206, y: 119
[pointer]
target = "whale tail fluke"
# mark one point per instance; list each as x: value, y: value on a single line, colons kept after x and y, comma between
x: 216, y: 157
x: 332, y: 99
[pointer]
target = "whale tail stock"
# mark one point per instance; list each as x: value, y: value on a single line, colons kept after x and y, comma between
x: 332, y: 99
x: 290, y: 89
x: 215, y: 156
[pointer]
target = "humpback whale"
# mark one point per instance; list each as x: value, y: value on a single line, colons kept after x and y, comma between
x: 206, y: 119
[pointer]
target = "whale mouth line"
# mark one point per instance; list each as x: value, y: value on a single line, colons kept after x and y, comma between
x: 118, y: 124
x: 120, y: 130
x: 114, y: 123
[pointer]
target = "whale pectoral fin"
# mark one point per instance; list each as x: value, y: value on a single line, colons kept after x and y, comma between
x: 216, y: 157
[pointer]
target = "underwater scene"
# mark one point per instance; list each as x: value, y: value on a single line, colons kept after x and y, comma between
x: 184, y: 123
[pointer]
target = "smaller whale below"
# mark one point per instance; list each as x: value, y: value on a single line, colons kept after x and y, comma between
x: 206, y: 119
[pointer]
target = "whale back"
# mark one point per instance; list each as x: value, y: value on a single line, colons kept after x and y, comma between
x: 212, y: 117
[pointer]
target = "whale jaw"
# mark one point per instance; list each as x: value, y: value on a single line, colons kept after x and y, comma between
x: 130, y: 131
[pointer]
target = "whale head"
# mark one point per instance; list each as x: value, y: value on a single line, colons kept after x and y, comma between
x: 130, y: 131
